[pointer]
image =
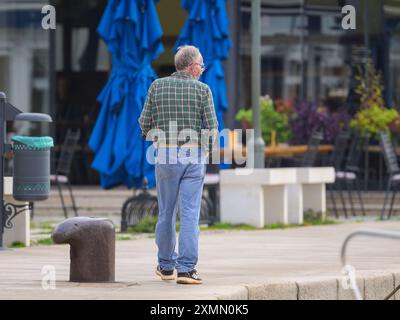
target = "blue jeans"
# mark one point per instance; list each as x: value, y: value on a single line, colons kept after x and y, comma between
x: 179, y: 178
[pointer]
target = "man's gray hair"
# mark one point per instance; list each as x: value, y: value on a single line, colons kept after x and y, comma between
x: 185, y: 56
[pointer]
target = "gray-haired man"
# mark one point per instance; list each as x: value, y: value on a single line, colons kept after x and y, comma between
x: 175, y: 104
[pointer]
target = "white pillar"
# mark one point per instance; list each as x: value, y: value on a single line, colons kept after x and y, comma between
x: 314, y: 198
x: 276, y: 204
x: 295, y: 203
x: 242, y: 204
x: 21, y: 223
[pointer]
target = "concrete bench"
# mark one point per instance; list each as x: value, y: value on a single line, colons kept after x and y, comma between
x: 255, y: 196
x: 309, y: 193
x: 278, y: 195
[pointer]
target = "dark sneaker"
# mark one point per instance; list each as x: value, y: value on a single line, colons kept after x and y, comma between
x: 165, y: 274
x: 191, y: 277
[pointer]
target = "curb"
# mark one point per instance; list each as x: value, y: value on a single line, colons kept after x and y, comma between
x: 372, y: 285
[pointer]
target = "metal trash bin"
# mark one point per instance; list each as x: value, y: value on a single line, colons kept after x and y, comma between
x: 31, y: 177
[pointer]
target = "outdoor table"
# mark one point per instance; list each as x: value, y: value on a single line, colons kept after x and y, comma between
x: 279, y: 151
x: 276, y: 151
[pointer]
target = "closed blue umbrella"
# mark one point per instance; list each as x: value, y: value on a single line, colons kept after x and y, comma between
x: 208, y: 29
x: 132, y: 32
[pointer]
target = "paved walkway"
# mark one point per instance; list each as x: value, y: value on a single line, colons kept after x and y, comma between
x: 286, y: 264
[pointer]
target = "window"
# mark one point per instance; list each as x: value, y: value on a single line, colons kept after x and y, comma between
x: 304, y: 54
x: 24, y: 60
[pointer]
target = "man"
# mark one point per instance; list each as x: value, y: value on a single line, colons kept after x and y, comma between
x: 180, y: 104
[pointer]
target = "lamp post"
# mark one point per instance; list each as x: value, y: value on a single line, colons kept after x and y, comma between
x: 3, y: 102
x: 256, y: 139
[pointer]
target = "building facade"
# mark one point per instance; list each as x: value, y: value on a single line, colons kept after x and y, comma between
x: 306, y: 54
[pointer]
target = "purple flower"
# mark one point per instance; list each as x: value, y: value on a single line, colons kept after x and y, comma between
x: 308, y: 116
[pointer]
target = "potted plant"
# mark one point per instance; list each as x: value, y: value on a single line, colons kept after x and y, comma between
x: 373, y: 116
x: 271, y: 121
x: 244, y: 116
x: 283, y: 106
x: 310, y: 115
x: 394, y: 126
x: 374, y: 119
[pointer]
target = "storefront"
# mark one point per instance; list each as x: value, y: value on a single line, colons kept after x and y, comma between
x: 24, y: 59
x: 305, y: 54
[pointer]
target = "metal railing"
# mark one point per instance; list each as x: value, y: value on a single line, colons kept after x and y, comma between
x: 369, y: 233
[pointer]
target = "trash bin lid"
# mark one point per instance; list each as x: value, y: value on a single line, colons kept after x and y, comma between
x: 34, y: 142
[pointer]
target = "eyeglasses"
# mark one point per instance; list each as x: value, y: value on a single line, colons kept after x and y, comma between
x: 202, y: 66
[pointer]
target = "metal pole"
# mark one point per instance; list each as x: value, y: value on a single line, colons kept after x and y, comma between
x: 366, y: 39
x: 232, y: 65
x: 302, y: 53
x: 366, y: 30
x: 259, y: 145
x: 3, y: 100
x: 387, y: 79
x: 367, y: 81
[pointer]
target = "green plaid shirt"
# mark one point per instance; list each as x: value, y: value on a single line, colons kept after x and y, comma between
x: 177, y: 103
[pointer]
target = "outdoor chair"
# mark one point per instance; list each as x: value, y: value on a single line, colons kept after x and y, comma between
x: 393, y: 170
x: 63, y: 168
x: 210, y: 199
x: 351, y: 172
x: 310, y: 156
x: 144, y: 204
x: 308, y: 159
x: 336, y: 160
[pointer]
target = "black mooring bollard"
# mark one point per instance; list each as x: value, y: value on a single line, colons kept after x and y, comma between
x: 92, y: 242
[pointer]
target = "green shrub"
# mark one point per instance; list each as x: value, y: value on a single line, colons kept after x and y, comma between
x: 17, y: 244
x: 271, y: 120
x: 146, y: 225
x: 311, y: 215
x: 229, y: 226
x: 124, y: 238
x: 278, y: 226
x: 374, y: 119
x: 312, y: 218
x: 44, y: 241
x: 244, y: 115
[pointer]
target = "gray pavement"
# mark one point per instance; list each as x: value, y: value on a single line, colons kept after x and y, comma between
x: 295, y: 263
